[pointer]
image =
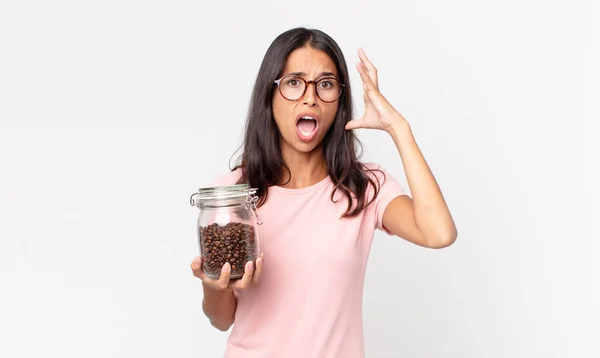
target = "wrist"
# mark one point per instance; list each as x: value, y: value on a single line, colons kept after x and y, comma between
x: 398, y: 127
x: 215, y: 291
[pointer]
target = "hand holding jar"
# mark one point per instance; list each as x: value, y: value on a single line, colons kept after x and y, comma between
x: 227, y: 229
x: 251, y: 275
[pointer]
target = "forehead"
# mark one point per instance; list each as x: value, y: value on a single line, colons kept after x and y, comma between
x: 309, y: 61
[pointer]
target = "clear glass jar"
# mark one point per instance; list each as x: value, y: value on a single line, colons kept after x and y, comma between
x: 227, y: 228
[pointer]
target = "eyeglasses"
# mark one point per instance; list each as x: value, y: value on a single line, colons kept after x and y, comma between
x: 292, y: 88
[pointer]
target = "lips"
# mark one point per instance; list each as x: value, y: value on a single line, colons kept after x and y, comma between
x: 307, y: 125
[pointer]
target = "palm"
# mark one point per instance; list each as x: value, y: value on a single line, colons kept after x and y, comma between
x: 370, y: 118
x: 379, y: 113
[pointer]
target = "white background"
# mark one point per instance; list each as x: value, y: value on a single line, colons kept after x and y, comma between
x: 113, y: 112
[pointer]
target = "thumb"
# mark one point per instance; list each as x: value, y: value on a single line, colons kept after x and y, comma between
x: 196, y: 263
x: 354, y: 124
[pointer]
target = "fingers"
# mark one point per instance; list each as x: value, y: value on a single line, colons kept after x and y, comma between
x: 363, y: 56
x: 258, y: 270
x: 223, y: 280
x: 371, y: 70
x: 252, y: 273
x: 368, y: 84
x: 196, y: 267
x: 371, y: 92
x: 244, y: 282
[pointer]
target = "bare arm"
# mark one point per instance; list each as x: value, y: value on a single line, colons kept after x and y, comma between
x: 219, y: 303
x: 425, y: 219
x: 219, y: 306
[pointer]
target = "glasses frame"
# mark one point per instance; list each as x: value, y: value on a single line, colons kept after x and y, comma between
x: 306, y: 83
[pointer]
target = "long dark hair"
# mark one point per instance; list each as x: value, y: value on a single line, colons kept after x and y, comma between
x: 261, y: 161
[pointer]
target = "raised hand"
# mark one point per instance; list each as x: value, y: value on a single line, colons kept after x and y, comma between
x: 379, y: 113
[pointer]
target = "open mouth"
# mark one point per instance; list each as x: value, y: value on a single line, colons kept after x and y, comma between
x: 307, y: 127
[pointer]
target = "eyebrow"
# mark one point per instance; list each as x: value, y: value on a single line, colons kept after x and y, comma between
x: 322, y: 74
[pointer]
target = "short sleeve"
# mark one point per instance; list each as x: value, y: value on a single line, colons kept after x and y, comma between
x: 227, y: 179
x: 389, y: 189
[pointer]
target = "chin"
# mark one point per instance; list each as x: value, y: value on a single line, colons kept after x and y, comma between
x: 307, y: 147
x: 300, y: 146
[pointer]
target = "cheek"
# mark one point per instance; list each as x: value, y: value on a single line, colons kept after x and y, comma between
x: 281, y: 107
x: 278, y: 112
x: 329, y: 113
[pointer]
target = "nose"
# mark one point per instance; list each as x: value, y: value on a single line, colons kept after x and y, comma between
x: 310, y: 96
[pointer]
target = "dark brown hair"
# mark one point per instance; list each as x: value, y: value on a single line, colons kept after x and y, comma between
x: 261, y: 161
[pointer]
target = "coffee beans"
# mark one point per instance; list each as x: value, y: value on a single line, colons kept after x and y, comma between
x: 234, y: 243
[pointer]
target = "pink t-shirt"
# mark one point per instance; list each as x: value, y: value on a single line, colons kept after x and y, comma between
x: 308, y: 303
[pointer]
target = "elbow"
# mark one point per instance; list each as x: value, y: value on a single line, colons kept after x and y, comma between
x: 442, y: 240
x: 221, y: 326
x: 221, y: 318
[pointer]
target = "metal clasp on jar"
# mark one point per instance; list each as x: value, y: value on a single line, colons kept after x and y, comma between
x: 193, y: 201
x: 251, y: 201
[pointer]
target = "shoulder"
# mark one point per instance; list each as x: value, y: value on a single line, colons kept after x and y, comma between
x: 375, y: 172
x: 228, y: 178
x: 386, y: 183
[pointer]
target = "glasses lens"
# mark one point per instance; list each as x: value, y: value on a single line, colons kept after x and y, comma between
x: 292, y: 87
x: 329, y: 89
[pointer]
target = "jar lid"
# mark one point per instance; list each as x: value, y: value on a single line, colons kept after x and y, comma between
x: 238, y: 191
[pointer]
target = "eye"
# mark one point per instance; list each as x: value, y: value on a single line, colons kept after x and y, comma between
x: 326, y: 84
x: 292, y: 82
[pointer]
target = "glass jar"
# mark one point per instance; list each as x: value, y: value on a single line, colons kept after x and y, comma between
x: 227, y: 228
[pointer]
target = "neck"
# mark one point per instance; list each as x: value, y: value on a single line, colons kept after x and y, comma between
x: 306, y: 168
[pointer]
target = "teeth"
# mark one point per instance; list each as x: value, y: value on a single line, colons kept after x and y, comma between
x: 307, y: 117
x: 306, y: 134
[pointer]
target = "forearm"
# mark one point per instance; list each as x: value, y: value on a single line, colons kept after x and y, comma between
x: 432, y: 216
x: 219, y: 307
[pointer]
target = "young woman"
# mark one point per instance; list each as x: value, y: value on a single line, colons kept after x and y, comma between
x: 320, y: 205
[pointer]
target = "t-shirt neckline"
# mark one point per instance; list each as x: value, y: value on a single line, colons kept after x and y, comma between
x: 307, y: 189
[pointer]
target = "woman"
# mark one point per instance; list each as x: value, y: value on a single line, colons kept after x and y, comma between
x: 320, y: 205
